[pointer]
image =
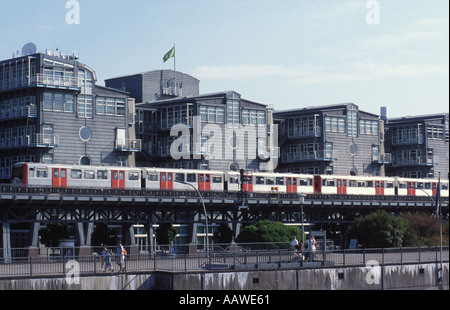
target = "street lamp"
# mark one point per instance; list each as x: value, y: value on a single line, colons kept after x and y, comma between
x: 204, y: 210
x: 301, y: 199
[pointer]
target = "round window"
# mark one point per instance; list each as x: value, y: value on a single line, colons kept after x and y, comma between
x: 85, y: 161
x: 85, y: 134
x: 353, y: 149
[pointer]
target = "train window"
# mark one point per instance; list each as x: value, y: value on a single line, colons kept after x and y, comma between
x: 75, y: 174
x: 269, y: 181
x: 304, y: 182
x: 361, y: 183
x: 30, y: 173
x: 207, y: 178
x: 179, y: 177
x: 444, y: 186
x: 89, y: 175
x: 402, y: 185
x: 121, y: 175
x: 259, y: 180
x: 115, y: 176
x: 190, y: 177
x: 169, y: 176
x: 329, y: 182
x: 163, y: 176
x: 352, y: 183
x: 389, y: 185
x: 419, y: 185
x: 133, y: 176
x: 427, y: 185
x: 279, y: 181
x: 102, y: 175
x: 152, y: 177
x: 217, y: 179
x: 369, y: 184
x: 234, y: 180
x: 42, y: 173
x: 56, y: 173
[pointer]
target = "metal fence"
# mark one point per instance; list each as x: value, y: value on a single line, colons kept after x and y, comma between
x: 234, y: 258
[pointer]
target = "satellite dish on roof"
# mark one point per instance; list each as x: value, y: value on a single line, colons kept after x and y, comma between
x: 28, y: 49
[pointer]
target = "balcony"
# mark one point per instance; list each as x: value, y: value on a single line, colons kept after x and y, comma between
x: 55, y: 81
x: 29, y: 111
x: 41, y: 80
x: 313, y: 156
x: 419, y: 161
x: 38, y: 140
x: 382, y: 158
x: 129, y: 145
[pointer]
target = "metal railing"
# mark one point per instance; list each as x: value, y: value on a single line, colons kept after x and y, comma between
x: 232, y: 258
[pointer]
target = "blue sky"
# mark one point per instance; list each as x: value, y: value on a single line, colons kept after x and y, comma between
x: 289, y: 53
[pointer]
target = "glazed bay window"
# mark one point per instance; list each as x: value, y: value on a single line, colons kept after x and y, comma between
x: 58, y: 102
x: 85, y: 106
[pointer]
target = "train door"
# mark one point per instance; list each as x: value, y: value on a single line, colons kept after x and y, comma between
x: 291, y: 185
x: 59, y: 177
x: 317, y: 184
x: 204, y: 182
x: 166, y: 181
x: 379, y: 187
x: 117, y: 179
x: 248, y: 183
x: 341, y: 186
x: 411, y: 186
x: 434, y: 187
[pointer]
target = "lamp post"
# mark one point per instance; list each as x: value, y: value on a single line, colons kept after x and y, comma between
x: 204, y: 210
x: 301, y: 199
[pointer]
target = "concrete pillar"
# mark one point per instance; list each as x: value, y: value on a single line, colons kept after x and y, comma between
x: 6, y: 232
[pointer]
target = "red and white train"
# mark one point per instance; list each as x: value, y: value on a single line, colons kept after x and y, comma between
x: 102, y: 177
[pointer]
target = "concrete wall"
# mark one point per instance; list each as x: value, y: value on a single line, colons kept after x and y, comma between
x: 421, y: 276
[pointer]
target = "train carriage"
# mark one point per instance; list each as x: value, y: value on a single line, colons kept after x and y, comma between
x: 75, y: 176
x: 182, y: 180
x: 165, y: 179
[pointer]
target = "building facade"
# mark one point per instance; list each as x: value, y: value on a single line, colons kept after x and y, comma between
x: 219, y: 131
x: 156, y: 85
x: 52, y: 111
x: 419, y: 145
x: 337, y: 139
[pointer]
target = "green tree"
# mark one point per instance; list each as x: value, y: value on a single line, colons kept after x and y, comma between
x: 165, y: 233
x: 224, y: 234
x: 102, y: 234
x: 379, y: 230
x: 52, y: 233
x: 268, y: 231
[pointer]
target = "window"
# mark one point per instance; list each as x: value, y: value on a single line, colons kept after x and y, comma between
x: 217, y: 179
x: 89, y: 175
x: 259, y: 180
x: 152, y: 177
x: 233, y: 112
x: 352, y: 123
x: 75, y: 174
x: 102, y: 175
x: 41, y: 173
x: 85, y: 106
x: 179, y: 177
x: 133, y: 176
x: 280, y: 181
x: 191, y: 177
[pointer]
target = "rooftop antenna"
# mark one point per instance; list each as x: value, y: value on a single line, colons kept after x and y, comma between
x: 29, y: 49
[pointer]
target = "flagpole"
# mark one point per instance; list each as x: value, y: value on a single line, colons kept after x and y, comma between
x: 175, y: 68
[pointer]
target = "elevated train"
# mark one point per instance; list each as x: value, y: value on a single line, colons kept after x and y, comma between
x: 165, y: 179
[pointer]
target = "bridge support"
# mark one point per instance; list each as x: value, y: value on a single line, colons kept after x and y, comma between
x: 6, y: 233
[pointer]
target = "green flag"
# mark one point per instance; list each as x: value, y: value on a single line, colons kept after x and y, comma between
x: 169, y: 54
